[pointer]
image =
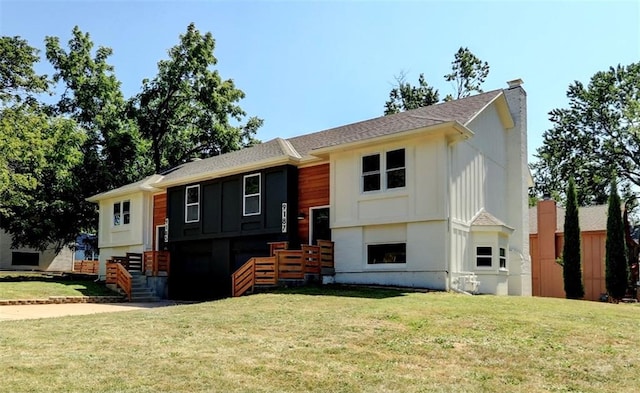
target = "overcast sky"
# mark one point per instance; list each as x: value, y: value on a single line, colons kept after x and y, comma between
x: 308, y: 66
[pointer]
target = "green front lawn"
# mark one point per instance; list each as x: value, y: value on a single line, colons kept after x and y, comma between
x: 332, y: 340
x: 40, y: 286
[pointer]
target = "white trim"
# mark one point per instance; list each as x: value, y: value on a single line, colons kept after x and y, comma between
x: 187, y: 205
x: 475, y: 253
x: 311, y: 219
x: 156, y: 247
x: 121, y: 223
x: 245, y: 195
x: 383, y: 171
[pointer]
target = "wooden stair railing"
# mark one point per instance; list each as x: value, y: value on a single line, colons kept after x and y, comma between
x: 265, y: 271
x: 244, y: 278
x: 117, y: 274
x: 86, y: 267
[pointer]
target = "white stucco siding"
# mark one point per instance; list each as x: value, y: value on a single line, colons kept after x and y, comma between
x: 460, y: 249
x: 421, y: 199
x: 134, y: 233
x: 426, y: 259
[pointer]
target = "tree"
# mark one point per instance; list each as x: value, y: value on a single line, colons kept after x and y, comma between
x: 405, y: 97
x: 597, y: 133
x: 38, y: 157
x: 615, y: 259
x: 187, y: 110
x: 468, y: 74
x: 571, y: 267
x: 17, y: 76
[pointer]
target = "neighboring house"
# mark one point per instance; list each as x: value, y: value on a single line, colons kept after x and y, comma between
x: 434, y: 197
x: 546, y: 232
x: 30, y: 259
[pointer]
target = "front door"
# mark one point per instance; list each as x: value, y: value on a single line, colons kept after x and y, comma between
x: 320, y: 229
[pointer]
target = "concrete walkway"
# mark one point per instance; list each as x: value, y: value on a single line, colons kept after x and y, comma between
x: 35, y: 311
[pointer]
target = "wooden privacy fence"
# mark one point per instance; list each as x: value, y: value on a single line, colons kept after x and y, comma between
x: 282, y: 265
x: 117, y: 274
x: 86, y: 267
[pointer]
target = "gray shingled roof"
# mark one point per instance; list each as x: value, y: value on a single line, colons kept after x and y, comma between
x: 591, y: 218
x: 487, y: 219
x: 263, y: 151
x: 461, y: 111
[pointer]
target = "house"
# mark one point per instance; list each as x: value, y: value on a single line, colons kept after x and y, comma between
x: 546, y: 233
x: 30, y: 259
x: 434, y: 197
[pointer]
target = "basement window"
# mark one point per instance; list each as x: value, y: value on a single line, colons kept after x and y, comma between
x: 387, y: 253
x: 25, y: 258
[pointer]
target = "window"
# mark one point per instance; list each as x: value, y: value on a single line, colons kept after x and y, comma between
x: 251, y: 202
x: 192, y: 205
x: 121, y: 213
x: 25, y: 258
x: 483, y: 256
x: 394, y: 163
x: 395, y: 168
x: 387, y: 253
x: 371, y: 172
x: 503, y: 258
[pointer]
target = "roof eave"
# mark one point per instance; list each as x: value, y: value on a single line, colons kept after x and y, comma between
x: 502, y: 107
x: 144, y: 187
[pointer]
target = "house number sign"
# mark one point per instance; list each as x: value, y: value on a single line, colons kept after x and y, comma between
x: 284, y: 217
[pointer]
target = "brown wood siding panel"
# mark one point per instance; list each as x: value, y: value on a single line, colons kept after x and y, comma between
x: 313, y: 190
x: 159, y: 213
x: 547, y: 280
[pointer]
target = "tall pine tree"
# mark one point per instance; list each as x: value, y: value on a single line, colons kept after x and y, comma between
x: 572, y: 269
x: 616, y: 261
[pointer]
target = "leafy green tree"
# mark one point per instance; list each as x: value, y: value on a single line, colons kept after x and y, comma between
x: 571, y: 267
x: 616, y: 261
x: 38, y: 156
x: 405, y: 97
x: 17, y: 76
x: 188, y: 110
x: 597, y: 133
x: 114, y: 151
x: 468, y: 74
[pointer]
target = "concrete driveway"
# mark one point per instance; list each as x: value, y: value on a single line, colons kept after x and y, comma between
x: 35, y: 311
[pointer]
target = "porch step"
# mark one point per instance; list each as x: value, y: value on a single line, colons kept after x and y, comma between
x: 139, y: 290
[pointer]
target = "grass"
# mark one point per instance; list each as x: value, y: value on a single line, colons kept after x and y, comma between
x: 30, y: 285
x: 332, y: 340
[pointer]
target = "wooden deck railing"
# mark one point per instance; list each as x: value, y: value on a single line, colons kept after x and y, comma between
x: 155, y: 262
x: 285, y: 264
x: 326, y: 253
x: 86, y: 267
x: 117, y: 274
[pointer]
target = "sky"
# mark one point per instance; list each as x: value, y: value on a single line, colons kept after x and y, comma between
x: 307, y: 66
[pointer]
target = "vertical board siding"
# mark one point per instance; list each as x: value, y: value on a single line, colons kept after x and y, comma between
x: 313, y: 190
x: 159, y: 214
x: 547, y: 280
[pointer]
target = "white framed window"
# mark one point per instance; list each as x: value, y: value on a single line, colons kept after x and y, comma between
x: 484, y: 256
x: 192, y: 204
x: 251, y: 195
x: 386, y: 253
x: 121, y: 213
x: 503, y: 258
x: 393, y: 176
